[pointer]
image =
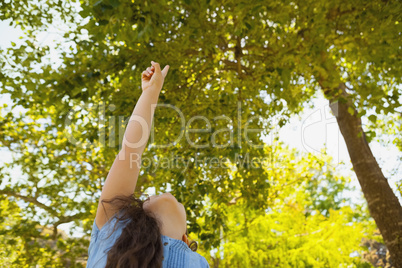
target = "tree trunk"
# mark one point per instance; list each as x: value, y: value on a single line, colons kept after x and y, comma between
x: 383, y: 204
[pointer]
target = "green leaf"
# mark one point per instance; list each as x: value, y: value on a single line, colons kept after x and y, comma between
x: 351, y: 111
x: 372, y: 118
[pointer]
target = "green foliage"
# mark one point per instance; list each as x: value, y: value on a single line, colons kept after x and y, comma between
x: 224, y: 60
x: 292, y: 230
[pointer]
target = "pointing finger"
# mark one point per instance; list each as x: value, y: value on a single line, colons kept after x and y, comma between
x: 165, y: 71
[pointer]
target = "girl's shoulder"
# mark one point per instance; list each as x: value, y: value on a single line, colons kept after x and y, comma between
x: 176, y: 253
x: 112, y: 227
x: 101, y: 242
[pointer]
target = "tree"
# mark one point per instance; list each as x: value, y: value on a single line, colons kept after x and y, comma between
x: 302, y: 226
x: 224, y: 60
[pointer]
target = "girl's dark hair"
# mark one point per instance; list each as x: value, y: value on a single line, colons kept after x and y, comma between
x: 139, y: 244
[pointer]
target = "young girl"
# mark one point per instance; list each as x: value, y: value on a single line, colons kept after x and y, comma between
x: 129, y: 232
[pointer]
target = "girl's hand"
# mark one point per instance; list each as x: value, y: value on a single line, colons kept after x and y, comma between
x: 153, y: 76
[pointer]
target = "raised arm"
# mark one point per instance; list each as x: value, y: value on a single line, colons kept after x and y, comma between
x: 123, y: 174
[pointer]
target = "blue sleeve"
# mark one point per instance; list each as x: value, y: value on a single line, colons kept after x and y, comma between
x: 94, y: 237
x: 204, y: 263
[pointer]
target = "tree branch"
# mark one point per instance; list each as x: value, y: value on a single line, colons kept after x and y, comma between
x: 30, y: 200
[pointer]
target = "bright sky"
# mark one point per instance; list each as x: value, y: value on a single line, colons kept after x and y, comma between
x: 312, y: 131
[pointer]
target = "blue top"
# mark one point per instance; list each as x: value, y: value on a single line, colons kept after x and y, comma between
x: 176, y: 253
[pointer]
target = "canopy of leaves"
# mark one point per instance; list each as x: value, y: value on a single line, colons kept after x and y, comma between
x: 237, y: 65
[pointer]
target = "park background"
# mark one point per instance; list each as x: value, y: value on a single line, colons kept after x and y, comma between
x: 304, y: 208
